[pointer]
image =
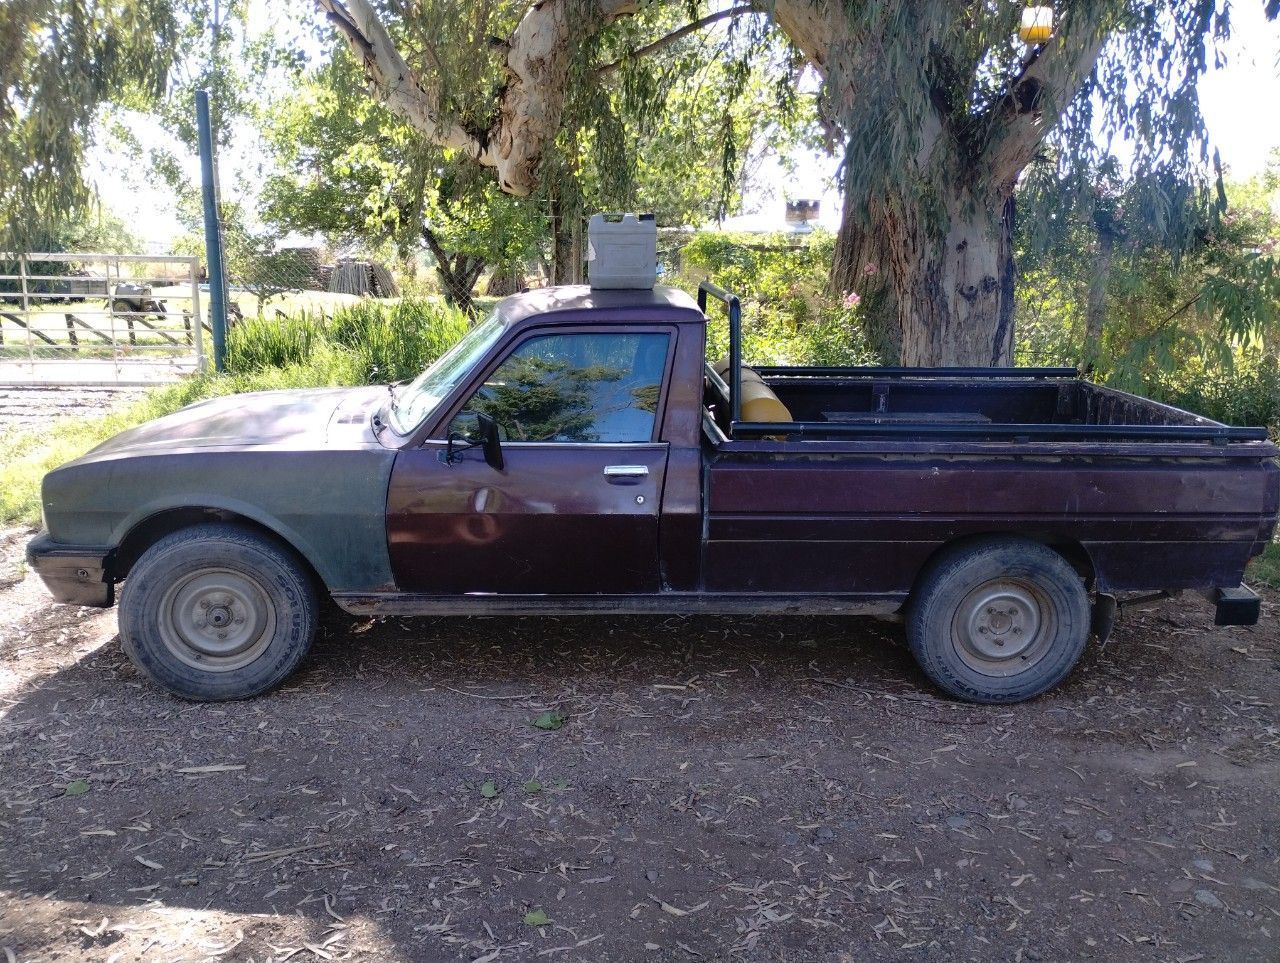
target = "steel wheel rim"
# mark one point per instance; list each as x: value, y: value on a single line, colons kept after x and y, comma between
x: 216, y: 620
x: 1003, y: 627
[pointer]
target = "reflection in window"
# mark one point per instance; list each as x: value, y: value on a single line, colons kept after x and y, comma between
x: 574, y: 387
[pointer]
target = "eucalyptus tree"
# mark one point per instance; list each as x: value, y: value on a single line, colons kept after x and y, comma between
x: 60, y: 61
x: 353, y: 169
x: 939, y: 105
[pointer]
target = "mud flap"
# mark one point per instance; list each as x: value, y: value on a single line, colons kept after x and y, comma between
x: 1105, y: 608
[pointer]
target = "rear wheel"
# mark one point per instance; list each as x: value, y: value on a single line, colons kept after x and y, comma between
x: 1000, y: 620
x: 217, y: 612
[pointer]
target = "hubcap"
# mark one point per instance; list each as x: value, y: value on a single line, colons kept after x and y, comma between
x: 216, y: 620
x: 1003, y: 627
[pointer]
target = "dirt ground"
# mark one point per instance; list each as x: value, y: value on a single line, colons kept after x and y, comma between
x: 29, y: 406
x: 716, y: 789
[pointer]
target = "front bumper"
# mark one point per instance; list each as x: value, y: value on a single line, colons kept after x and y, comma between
x: 74, y: 574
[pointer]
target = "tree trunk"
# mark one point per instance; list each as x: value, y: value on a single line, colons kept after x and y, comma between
x: 855, y: 267
x: 504, y: 282
x: 955, y: 293
x: 458, y: 274
x: 1096, y: 309
x: 566, y: 253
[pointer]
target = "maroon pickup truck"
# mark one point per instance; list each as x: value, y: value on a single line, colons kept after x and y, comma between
x: 577, y: 453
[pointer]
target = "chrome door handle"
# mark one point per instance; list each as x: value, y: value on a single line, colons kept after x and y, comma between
x: 626, y: 471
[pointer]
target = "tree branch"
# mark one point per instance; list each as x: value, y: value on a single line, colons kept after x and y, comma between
x: 536, y: 60
x: 663, y: 42
x: 1048, y: 81
x: 393, y: 80
x: 439, y: 253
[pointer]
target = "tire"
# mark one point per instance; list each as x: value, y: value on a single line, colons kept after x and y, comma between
x: 997, y: 621
x: 198, y: 582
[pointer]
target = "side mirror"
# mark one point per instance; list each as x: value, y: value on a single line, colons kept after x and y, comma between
x: 489, y: 442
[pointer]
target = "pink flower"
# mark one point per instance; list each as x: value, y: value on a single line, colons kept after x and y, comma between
x: 852, y: 299
x: 870, y: 269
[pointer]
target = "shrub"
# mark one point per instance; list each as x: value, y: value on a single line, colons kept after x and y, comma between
x: 258, y: 343
x: 394, y: 341
x: 788, y: 314
x: 383, y: 341
x: 1246, y: 393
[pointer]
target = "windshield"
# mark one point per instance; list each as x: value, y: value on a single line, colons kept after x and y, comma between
x: 418, y: 400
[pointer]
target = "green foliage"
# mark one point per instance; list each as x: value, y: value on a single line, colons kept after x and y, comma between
x: 674, y: 133
x: 788, y: 315
x: 380, y: 341
x: 549, y: 721
x: 395, y: 341
x: 1195, y: 324
x: 1246, y: 393
x: 349, y: 168
x: 257, y: 343
x: 1266, y: 567
x: 59, y: 61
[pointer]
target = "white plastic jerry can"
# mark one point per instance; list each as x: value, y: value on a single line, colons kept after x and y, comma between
x: 622, y: 250
x: 1037, y: 24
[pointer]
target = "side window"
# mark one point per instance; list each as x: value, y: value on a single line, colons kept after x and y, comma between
x: 573, y: 387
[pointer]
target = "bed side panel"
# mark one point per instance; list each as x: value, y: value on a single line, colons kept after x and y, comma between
x: 866, y: 523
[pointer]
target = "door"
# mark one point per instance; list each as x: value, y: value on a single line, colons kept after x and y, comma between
x: 574, y: 508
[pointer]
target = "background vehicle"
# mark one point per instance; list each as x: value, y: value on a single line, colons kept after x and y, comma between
x: 576, y: 453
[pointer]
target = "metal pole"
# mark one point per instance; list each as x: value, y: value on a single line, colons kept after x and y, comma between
x: 196, y: 333
x: 212, y: 233
x: 26, y: 312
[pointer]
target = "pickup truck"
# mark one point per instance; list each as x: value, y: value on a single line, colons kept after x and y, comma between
x: 576, y: 452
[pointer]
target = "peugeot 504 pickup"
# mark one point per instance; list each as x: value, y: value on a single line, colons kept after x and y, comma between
x: 577, y: 452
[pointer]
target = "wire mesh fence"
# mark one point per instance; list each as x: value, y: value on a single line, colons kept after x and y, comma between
x: 99, y: 318
x: 271, y: 281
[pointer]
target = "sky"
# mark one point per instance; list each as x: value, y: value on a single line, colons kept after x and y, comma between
x: 1239, y: 102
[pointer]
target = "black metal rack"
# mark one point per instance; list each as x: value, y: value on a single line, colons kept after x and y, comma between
x: 998, y: 374
x: 1218, y: 434
x: 734, y: 307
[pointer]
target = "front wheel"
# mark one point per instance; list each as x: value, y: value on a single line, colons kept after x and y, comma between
x: 217, y: 612
x: 1000, y: 620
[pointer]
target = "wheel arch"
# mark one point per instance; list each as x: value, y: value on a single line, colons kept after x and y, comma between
x: 1073, y: 552
x: 142, y: 531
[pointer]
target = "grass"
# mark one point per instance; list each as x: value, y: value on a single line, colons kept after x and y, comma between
x: 367, y: 343
x: 1265, y: 569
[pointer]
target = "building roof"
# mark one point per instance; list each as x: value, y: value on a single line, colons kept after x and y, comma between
x: 579, y: 302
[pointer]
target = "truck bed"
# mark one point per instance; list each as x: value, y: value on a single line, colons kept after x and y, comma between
x: 1056, y: 397
x: 883, y: 466
x: 1031, y: 403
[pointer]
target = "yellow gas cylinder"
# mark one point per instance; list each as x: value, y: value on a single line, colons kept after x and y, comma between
x: 1037, y: 24
x: 759, y: 403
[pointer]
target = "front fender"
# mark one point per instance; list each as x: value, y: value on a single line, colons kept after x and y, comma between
x: 330, y: 505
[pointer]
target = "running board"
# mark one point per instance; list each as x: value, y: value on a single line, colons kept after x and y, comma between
x: 668, y: 603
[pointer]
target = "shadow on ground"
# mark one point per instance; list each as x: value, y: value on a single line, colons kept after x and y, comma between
x: 772, y: 789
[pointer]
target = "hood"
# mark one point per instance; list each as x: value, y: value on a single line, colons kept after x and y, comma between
x: 295, y: 420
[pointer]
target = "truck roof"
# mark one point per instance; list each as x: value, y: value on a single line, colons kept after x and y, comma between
x: 579, y: 302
